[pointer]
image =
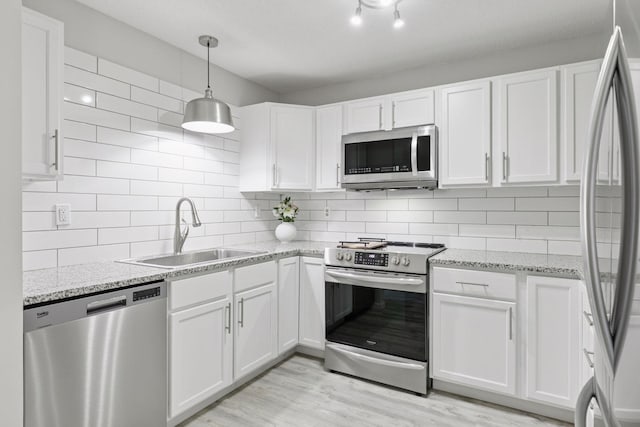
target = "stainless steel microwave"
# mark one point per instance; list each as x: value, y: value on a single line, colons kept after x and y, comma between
x: 400, y: 158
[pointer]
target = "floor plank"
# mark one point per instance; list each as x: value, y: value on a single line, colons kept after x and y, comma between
x: 300, y: 393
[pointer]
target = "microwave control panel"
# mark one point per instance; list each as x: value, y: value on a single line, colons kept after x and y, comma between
x: 372, y: 258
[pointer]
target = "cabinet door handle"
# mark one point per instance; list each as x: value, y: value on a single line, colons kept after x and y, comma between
x: 56, y: 152
x: 510, y: 323
x: 587, y: 355
x: 337, y: 174
x: 274, y: 175
x: 393, y: 114
x: 227, y: 326
x: 588, y: 316
x: 505, y: 165
x: 241, y: 305
x: 380, y: 117
x: 473, y: 284
x: 486, y: 166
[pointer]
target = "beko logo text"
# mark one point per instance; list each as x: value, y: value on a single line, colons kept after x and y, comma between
x: 42, y: 314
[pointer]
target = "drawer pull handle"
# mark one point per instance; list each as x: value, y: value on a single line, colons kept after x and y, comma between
x: 241, y: 320
x: 587, y: 355
x: 510, y: 324
x: 227, y: 308
x: 473, y: 284
x: 588, y: 316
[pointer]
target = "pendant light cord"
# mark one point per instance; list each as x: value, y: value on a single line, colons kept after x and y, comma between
x: 208, y: 65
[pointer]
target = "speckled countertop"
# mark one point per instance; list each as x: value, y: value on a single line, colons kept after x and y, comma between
x: 52, y: 284
x: 562, y: 265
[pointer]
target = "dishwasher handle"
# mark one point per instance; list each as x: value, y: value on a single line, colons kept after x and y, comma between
x: 106, y: 304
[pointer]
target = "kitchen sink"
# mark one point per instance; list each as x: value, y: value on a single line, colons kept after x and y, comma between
x: 192, y: 258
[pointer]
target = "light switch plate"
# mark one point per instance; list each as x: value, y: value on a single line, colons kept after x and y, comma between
x: 63, y: 214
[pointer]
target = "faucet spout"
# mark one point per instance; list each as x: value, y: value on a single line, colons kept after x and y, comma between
x: 179, y: 237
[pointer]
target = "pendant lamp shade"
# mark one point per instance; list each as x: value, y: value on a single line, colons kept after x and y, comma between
x: 207, y: 114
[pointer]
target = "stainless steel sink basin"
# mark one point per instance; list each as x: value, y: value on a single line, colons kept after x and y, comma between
x: 191, y: 258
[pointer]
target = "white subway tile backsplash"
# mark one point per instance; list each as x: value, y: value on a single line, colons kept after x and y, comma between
x: 79, y: 95
x: 517, y: 192
x: 488, y: 204
x: 171, y: 90
x: 91, y: 184
x: 89, y: 254
x: 35, y: 260
x: 547, y: 232
x: 96, y: 82
x: 517, y: 245
x: 76, y: 166
x: 387, y: 205
x: 460, y: 217
x: 352, y: 227
x: 38, y: 240
x: 481, y: 230
x: 80, y: 59
x: 169, y: 118
x: 97, y: 220
x: 94, y: 150
x: 433, y: 204
x: 124, y: 106
x: 126, y: 203
x: 387, y: 227
x: 550, y: 204
x: 372, y: 216
x: 124, y: 74
x: 181, y: 175
x: 154, y: 158
x: 564, y: 218
x: 409, y: 216
x: 347, y: 205
x: 439, y: 229
x: 108, y: 236
x: 126, y: 171
x: 127, y: 139
x: 151, y: 188
x: 45, y: 202
x: 155, y: 99
x: 95, y: 116
x: 159, y: 130
x: 180, y: 148
x: 517, y: 218
x: 38, y: 221
x: 77, y: 130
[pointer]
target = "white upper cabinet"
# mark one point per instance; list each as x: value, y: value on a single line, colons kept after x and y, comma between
x: 527, y: 127
x: 364, y: 115
x: 42, y: 65
x: 464, y: 126
x: 328, y: 146
x: 278, y: 148
x: 579, y: 83
x: 412, y: 109
x: 553, y: 340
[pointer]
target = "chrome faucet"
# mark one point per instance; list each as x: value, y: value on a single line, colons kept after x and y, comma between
x: 180, y: 236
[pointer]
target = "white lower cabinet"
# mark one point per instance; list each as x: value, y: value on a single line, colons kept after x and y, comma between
x: 553, y: 340
x: 288, y: 303
x: 312, y: 297
x: 474, y: 342
x: 256, y: 317
x: 200, y: 340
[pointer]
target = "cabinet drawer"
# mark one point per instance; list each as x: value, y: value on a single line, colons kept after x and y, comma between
x: 254, y: 275
x: 198, y: 289
x: 474, y: 283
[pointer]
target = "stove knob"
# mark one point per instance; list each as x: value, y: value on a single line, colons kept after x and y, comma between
x: 339, y: 256
x: 347, y: 256
x: 405, y: 261
x: 395, y: 260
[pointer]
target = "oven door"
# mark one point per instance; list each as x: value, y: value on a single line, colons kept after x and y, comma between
x: 403, y: 155
x: 377, y: 311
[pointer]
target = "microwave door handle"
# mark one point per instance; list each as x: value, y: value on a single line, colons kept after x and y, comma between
x: 414, y: 154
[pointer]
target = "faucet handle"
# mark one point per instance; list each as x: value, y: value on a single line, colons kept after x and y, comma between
x: 185, y: 231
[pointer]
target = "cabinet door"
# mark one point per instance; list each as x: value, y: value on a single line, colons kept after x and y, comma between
x: 256, y: 338
x: 288, y: 294
x: 412, y: 109
x: 312, y: 297
x: 465, y: 134
x: 200, y: 354
x: 328, y: 146
x: 292, y: 139
x: 527, y: 130
x: 626, y: 390
x: 474, y: 342
x: 553, y: 340
x: 364, y: 116
x: 579, y: 83
x: 42, y: 62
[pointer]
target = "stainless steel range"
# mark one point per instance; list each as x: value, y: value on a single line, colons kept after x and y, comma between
x: 376, y: 311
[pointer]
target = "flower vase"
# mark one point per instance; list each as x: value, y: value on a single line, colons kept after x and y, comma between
x: 286, y: 232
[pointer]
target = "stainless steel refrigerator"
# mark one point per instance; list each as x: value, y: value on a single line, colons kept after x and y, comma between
x: 610, y: 221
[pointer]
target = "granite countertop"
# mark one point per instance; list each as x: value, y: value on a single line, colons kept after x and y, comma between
x: 52, y: 284
x: 562, y: 265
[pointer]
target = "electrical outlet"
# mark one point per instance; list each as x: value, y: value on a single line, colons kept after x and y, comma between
x: 326, y: 212
x: 63, y: 214
x: 256, y: 212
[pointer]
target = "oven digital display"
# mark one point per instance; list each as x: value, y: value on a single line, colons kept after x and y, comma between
x: 375, y: 259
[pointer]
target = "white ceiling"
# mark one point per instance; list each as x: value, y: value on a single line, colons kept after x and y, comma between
x: 289, y: 45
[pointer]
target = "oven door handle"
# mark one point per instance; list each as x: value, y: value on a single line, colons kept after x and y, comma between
x: 376, y: 279
x: 390, y: 363
x: 414, y: 154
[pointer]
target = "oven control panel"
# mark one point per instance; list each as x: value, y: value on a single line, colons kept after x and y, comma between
x: 372, y: 258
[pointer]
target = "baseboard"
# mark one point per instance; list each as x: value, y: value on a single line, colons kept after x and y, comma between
x: 508, y: 401
x: 310, y: 351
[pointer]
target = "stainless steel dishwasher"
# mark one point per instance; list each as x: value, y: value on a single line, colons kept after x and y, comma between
x: 98, y: 361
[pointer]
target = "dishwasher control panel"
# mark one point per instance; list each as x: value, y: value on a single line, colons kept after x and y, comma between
x: 146, y: 294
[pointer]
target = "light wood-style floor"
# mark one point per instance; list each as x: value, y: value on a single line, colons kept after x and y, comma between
x: 300, y: 393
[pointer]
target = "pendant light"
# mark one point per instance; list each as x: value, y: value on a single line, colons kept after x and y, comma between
x: 207, y: 115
